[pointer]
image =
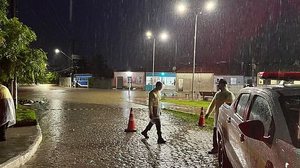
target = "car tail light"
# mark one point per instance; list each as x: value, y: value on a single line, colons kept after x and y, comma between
x: 280, y: 75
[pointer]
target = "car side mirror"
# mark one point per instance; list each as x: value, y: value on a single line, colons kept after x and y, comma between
x: 253, y: 129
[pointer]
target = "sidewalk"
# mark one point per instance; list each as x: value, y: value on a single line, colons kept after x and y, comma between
x: 21, y: 144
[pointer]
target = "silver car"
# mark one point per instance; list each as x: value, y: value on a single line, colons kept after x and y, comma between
x: 261, y: 128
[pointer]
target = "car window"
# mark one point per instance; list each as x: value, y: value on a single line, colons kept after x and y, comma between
x: 291, y: 110
x: 242, y: 102
x: 261, y: 110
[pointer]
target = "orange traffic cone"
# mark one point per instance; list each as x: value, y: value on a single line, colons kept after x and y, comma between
x: 201, y: 122
x: 131, y: 123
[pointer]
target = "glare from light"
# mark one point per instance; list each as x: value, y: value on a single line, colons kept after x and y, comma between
x: 149, y: 34
x: 181, y: 8
x: 210, y: 6
x: 164, y: 36
x: 129, y: 74
x: 57, y: 51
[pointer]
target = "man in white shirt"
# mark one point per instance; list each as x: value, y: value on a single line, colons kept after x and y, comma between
x: 154, y: 113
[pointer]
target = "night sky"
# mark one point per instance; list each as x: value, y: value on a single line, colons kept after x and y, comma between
x: 115, y: 29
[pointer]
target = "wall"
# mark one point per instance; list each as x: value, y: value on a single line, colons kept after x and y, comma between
x: 234, y: 82
x: 65, y: 81
x: 204, y: 82
x: 138, y: 79
x: 100, y: 83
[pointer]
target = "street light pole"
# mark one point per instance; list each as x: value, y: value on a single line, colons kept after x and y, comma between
x: 182, y: 8
x: 194, y: 57
x: 72, y: 63
x: 70, y: 58
x: 163, y: 36
x: 153, y: 59
x: 59, y: 51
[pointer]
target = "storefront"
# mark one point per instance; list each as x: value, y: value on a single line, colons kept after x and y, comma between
x: 167, y: 78
x: 132, y: 80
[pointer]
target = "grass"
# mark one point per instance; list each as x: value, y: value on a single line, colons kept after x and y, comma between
x: 188, y: 117
x: 192, y: 103
x: 25, y: 116
x: 191, y: 118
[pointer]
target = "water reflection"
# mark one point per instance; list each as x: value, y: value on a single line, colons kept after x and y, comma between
x: 54, y: 120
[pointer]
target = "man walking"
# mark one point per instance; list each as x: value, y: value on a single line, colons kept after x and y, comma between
x: 222, y: 96
x: 154, y: 112
x: 7, y: 111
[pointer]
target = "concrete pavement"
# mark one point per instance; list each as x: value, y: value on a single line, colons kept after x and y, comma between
x: 22, y: 142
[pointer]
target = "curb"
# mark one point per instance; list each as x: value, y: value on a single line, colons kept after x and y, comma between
x: 25, y: 156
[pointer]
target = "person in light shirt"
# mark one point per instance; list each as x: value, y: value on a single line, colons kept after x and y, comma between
x: 7, y: 111
x: 154, y: 113
x: 222, y: 96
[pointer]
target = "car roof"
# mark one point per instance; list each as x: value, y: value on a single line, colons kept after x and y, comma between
x: 285, y: 90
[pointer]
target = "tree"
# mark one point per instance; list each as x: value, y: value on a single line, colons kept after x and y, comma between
x: 3, y: 6
x: 36, y: 58
x: 17, y: 58
x: 51, y: 77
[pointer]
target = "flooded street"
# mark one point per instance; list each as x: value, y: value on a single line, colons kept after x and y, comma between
x: 85, y: 128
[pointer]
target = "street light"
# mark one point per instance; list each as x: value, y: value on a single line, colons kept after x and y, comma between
x: 57, y: 51
x: 210, y: 5
x: 182, y: 8
x: 163, y: 37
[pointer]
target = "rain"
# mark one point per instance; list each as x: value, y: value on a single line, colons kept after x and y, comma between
x: 231, y: 37
x: 109, y: 41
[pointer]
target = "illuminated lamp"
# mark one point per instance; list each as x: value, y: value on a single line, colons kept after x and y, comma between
x: 129, y: 74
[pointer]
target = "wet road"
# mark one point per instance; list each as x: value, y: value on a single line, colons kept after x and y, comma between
x: 85, y: 128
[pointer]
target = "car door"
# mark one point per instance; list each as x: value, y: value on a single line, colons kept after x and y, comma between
x: 237, y: 150
x: 260, y: 151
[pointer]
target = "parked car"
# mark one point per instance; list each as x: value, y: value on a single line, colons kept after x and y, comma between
x: 262, y: 127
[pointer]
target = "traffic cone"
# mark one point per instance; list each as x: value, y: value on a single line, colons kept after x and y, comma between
x: 131, y: 124
x: 201, y: 122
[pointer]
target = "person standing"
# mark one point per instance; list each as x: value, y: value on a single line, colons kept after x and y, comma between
x: 7, y: 111
x: 154, y: 113
x: 222, y: 96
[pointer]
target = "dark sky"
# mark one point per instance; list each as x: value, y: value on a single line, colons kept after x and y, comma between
x: 116, y: 29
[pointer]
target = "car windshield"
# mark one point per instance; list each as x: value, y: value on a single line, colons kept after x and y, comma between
x: 291, y: 107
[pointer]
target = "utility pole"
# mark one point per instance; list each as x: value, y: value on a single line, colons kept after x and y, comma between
x: 72, y: 42
x: 253, y: 66
x: 176, y: 51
